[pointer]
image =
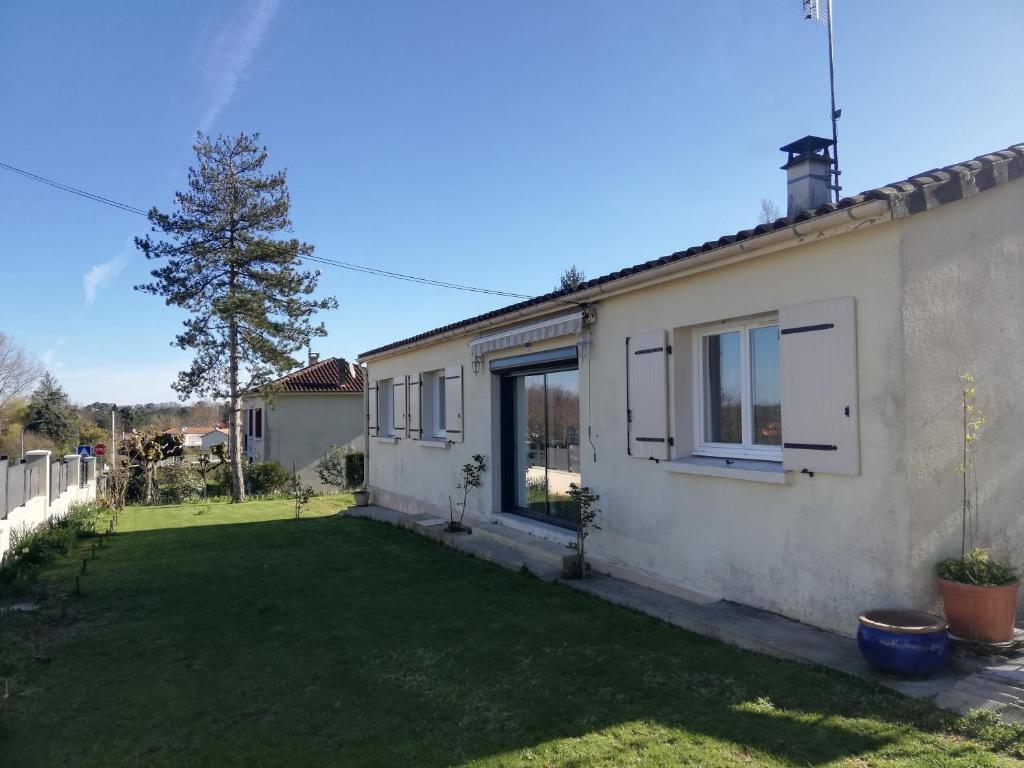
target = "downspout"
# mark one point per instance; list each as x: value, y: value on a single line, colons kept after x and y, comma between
x: 366, y: 427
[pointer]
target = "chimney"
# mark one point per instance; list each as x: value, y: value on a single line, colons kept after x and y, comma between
x: 314, y: 357
x: 808, y: 174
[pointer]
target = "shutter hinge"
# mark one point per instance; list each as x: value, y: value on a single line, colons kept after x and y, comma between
x: 671, y: 441
x: 668, y: 349
x: 629, y: 415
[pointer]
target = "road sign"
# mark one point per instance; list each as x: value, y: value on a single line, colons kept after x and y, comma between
x: 99, y: 450
x: 84, y: 450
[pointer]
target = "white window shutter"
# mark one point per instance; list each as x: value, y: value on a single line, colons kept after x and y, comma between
x: 371, y: 409
x: 818, y: 377
x: 453, y: 422
x: 647, y: 395
x: 416, y: 406
x: 398, y: 401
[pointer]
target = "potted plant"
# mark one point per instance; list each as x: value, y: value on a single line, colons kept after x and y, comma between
x: 979, y: 593
x: 355, y: 478
x: 469, y: 479
x: 575, y: 566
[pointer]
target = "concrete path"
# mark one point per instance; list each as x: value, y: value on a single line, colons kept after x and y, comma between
x: 996, y: 686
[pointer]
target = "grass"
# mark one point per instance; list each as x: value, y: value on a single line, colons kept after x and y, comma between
x: 233, y: 635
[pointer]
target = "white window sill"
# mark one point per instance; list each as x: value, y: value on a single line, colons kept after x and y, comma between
x: 434, y: 442
x: 737, y: 469
x: 392, y: 439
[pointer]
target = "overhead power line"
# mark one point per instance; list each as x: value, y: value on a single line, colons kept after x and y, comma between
x: 74, y: 190
x: 319, y: 259
x: 413, y: 278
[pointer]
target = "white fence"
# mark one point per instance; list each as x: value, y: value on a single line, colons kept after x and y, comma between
x: 36, y: 489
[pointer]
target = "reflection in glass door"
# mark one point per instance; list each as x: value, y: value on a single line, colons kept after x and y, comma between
x: 542, y: 415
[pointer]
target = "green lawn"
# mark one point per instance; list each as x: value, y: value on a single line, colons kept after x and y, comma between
x: 238, y: 636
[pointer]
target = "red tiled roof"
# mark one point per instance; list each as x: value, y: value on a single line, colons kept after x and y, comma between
x: 335, y: 374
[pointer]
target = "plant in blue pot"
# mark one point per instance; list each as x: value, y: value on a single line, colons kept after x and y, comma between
x: 903, y: 642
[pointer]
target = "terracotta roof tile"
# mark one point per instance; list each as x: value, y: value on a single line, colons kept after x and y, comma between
x: 335, y: 374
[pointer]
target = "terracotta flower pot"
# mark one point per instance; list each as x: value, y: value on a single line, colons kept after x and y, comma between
x: 981, y: 614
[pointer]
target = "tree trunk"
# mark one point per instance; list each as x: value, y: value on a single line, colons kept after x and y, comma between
x: 235, y: 423
x: 149, y: 483
x: 235, y: 410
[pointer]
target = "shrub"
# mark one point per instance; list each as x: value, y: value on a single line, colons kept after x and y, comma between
x: 219, y: 480
x: 84, y: 520
x: 354, y: 461
x: 31, y: 549
x: 178, y: 483
x: 979, y: 569
x: 331, y: 468
x: 135, y: 491
x: 267, y: 477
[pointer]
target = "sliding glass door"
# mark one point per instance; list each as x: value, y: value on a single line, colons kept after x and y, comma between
x: 541, y: 443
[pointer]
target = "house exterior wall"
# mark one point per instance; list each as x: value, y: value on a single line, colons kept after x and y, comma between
x: 301, y: 428
x: 213, y: 438
x: 937, y: 293
x: 964, y: 271
x: 817, y: 549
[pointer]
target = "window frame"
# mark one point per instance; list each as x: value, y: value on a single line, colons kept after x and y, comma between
x: 747, y: 449
x: 438, y: 429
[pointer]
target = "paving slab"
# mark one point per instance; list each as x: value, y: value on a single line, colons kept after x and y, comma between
x: 993, y: 685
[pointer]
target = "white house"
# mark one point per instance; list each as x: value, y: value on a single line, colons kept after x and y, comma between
x: 192, y: 437
x: 771, y: 417
x: 314, y: 408
x: 213, y: 437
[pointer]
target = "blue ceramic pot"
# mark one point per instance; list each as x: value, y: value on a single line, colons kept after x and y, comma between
x: 909, y: 643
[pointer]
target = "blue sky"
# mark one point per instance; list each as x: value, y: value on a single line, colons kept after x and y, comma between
x: 476, y: 141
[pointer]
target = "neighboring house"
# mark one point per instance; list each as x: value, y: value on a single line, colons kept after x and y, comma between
x: 315, y: 407
x: 192, y: 436
x: 213, y: 437
x: 770, y: 418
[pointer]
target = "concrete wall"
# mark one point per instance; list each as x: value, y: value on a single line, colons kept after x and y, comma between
x: 963, y: 276
x: 41, y: 506
x: 301, y: 428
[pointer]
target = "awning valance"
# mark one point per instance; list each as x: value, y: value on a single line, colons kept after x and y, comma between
x: 549, y: 328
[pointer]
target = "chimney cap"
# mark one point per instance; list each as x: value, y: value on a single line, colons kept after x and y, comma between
x: 807, y: 147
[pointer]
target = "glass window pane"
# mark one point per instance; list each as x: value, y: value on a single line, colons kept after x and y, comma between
x: 722, y: 391
x: 764, y: 385
x: 563, y: 445
x: 535, y: 448
x: 439, y: 402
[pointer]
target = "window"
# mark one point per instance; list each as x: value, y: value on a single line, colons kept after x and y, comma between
x: 259, y: 423
x: 385, y: 409
x: 738, y: 408
x: 437, y: 422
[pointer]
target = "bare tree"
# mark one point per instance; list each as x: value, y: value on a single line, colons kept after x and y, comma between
x: 18, y: 372
x: 769, y: 211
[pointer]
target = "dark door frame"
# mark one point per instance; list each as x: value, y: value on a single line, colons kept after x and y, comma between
x: 506, y: 438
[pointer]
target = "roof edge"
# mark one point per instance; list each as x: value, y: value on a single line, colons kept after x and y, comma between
x: 916, y: 194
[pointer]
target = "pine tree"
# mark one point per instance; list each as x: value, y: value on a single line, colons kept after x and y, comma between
x: 53, y: 413
x: 571, y: 279
x: 249, y: 301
